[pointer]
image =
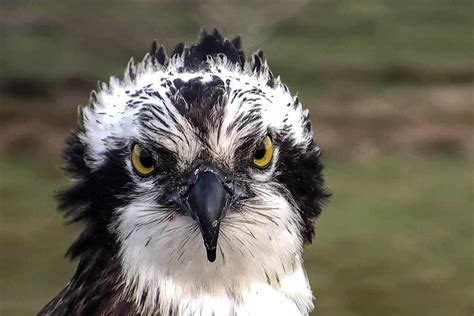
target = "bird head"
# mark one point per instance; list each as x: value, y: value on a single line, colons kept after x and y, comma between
x: 200, y: 166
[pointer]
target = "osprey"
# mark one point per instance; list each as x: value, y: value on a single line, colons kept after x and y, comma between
x: 198, y: 181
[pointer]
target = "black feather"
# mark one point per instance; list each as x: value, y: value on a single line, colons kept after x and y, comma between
x: 178, y: 50
x: 157, y: 54
x: 211, y: 45
x: 300, y: 171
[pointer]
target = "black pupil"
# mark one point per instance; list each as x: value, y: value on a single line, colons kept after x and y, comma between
x: 260, y: 152
x: 146, y: 160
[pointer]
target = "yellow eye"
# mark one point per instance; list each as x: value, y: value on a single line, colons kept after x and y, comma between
x: 264, y: 153
x: 142, y: 161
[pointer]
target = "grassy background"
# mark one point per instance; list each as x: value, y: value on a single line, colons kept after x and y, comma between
x: 389, y: 85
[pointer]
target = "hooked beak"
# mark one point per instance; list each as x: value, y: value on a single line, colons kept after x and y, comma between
x: 207, y: 199
x: 204, y: 195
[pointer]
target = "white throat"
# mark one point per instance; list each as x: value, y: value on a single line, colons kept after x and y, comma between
x: 291, y: 297
x: 258, y: 270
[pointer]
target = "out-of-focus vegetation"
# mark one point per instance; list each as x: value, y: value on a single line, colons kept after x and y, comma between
x: 310, y: 42
x: 390, y: 89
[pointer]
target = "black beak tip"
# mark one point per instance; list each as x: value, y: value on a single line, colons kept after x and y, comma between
x: 211, y: 255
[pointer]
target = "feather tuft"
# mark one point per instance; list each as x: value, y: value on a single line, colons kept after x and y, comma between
x: 130, y: 71
x: 158, y: 54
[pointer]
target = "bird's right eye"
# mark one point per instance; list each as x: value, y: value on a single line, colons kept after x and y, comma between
x: 142, y: 161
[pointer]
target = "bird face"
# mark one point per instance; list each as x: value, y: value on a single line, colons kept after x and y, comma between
x: 199, y: 167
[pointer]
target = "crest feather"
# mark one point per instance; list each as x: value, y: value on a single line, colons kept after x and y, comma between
x: 158, y: 54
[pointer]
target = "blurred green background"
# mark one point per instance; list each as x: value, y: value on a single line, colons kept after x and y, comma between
x: 390, y: 89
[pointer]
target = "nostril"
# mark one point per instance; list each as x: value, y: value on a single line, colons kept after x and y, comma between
x: 228, y: 186
x: 241, y: 192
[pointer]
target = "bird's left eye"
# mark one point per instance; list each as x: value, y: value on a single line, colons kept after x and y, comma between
x: 264, y: 153
x: 142, y: 161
